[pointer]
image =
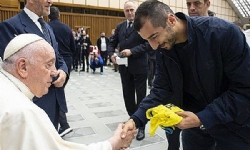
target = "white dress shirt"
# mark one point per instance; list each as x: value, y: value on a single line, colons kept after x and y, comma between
x: 33, y: 17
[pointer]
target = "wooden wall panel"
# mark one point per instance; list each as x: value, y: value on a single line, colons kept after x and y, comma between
x: 95, y: 23
x: 9, y: 3
x: 7, y: 13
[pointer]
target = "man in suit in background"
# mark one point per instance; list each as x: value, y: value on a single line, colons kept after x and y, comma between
x: 198, y: 7
x: 66, y: 48
x: 133, y: 76
x: 64, y: 37
x: 27, y: 21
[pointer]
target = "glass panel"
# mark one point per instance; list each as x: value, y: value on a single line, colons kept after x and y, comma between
x: 243, y: 6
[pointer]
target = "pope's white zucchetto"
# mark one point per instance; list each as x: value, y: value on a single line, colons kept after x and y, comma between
x: 19, y: 42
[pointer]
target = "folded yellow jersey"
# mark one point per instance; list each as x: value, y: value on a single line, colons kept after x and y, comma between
x: 163, y: 116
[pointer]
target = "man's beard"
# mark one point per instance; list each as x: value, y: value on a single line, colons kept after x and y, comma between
x: 170, y: 38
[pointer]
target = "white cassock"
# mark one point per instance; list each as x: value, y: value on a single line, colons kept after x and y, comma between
x: 24, y: 126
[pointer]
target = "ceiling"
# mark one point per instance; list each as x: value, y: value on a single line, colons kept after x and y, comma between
x: 242, y: 8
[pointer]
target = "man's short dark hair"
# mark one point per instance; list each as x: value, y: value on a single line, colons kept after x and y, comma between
x: 154, y: 11
x: 211, y: 13
x: 238, y: 23
x: 247, y: 27
x: 54, y: 13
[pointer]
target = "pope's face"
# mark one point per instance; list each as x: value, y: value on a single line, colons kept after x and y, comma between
x: 41, y: 71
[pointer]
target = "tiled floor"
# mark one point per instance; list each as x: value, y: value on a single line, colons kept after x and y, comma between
x: 96, y: 107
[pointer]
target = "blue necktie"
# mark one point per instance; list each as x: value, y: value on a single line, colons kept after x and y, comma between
x: 45, y: 30
x: 129, y: 28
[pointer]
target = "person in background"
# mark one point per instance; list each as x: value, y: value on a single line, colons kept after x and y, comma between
x: 77, y: 56
x: 207, y: 77
x: 198, y: 7
x: 116, y: 51
x: 84, y: 52
x: 96, y: 61
x: 246, y: 26
x: 66, y: 47
x: 73, y: 57
x: 211, y: 13
x: 239, y: 24
x: 246, y: 32
x: 247, y: 35
x: 30, y: 20
x: 26, y: 71
x: 73, y: 33
x: 133, y: 76
x: 102, y: 44
x: 152, y: 65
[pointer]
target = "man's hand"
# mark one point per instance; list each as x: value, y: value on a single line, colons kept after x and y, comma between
x: 126, y: 53
x: 119, y: 143
x: 127, y: 127
x: 189, y: 120
x: 113, y: 59
x: 61, y: 78
x: 116, y: 50
x: 96, y: 59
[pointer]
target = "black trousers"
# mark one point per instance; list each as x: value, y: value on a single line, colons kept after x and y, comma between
x: 62, y: 115
x: 174, y: 139
x: 151, y: 72
x: 76, y: 57
x: 63, y: 120
x: 132, y: 84
x: 84, y: 58
x: 104, y: 55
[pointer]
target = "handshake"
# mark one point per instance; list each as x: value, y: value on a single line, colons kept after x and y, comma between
x: 166, y: 116
x: 123, y: 135
x: 163, y: 115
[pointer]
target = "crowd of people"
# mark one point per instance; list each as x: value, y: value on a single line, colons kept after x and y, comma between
x: 198, y: 62
x: 85, y: 48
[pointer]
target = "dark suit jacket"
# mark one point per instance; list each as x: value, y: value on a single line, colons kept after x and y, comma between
x: 85, y: 40
x: 99, y: 42
x: 19, y: 24
x: 66, y: 41
x: 64, y: 37
x: 137, y: 62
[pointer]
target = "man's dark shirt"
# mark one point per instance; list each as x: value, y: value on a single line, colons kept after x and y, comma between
x: 192, y: 97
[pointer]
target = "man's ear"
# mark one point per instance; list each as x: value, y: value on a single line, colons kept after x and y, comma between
x: 171, y: 20
x: 208, y: 4
x: 22, y: 67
